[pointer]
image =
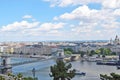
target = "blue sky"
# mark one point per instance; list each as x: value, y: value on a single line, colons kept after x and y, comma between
x: 44, y: 20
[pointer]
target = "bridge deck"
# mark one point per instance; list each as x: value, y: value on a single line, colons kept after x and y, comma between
x: 27, y: 62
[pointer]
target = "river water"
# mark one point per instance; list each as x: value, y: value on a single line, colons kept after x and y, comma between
x: 42, y: 69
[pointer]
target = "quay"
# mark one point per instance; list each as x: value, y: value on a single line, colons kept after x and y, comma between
x: 109, y: 62
x: 112, y: 63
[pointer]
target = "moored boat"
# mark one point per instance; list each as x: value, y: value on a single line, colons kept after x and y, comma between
x: 80, y: 73
x: 118, y: 67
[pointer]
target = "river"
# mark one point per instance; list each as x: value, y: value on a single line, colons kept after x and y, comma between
x: 42, y: 69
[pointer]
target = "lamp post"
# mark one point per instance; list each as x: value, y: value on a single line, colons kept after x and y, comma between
x: 33, y: 71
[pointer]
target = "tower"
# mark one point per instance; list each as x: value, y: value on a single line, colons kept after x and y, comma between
x: 116, y: 41
x: 111, y: 41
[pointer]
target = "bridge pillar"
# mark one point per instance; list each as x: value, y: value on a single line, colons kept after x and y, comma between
x: 6, y: 67
x: 5, y: 60
x: 119, y: 56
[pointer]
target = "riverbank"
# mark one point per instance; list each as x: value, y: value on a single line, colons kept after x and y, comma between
x: 43, y: 69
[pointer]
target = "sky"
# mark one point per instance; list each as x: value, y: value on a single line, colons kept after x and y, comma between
x: 69, y: 20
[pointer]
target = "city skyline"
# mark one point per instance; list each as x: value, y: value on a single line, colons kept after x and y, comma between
x: 59, y: 20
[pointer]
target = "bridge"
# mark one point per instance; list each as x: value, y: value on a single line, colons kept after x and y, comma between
x: 27, y: 62
x: 6, y: 65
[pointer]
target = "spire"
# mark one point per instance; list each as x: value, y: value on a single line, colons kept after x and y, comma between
x: 116, y: 41
x: 116, y: 38
x: 111, y: 41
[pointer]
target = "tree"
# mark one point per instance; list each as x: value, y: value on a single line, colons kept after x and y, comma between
x: 113, y: 53
x: 2, y: 78
x: 92, y: 52
x: 107, y: 51
x: 112, y: 76
x: 29, y: 78
x: 82, y: 53
x: 98, y: 51
x: 60, y: 71
x: 101, y: 51
x: 20, y: 77
x: 68, y: 52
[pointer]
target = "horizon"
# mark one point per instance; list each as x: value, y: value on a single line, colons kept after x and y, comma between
x: 59, y: 20
x: 60, y: 41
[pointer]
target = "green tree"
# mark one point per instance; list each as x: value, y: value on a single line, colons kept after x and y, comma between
x: 113, y: 53
x: 82, y: 53
x: 112, y: 76
x: 68, y: 49
x: 19, y: 76
x: 2, y: 78
x: 60, y: 71
x: 98, y: 51
x: 29, y: 78
x: 101, y: 51
x: 68, y: 52
x: 107, y: 51
x: 92, y: 52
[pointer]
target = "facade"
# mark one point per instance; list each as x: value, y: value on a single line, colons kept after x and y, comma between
x: 116, y: 41
x: 33, y: 50
x: 6, y: 49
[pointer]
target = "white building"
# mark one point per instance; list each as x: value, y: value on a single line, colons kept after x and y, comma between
x: 33, y: 50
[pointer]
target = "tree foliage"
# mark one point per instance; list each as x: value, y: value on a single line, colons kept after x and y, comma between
x: 19, y: 76
x: 92, y: 52
x: 2, y: 78
x: 112, y: 76
x: 60, y: 71
x: 68, y: 51
x: 104, y: 51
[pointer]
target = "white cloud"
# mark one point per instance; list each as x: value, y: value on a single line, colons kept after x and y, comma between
x: 19, y: 26
x: 80, y: 24
x: 79, y: 13
x: 51, y: 26
x: 105, y: 3
x: 116, y: 12
x: 91, y: 22
x: 27, y: 17
x: 111, y: 3
x: 31, y: 29
x: 64, y: 3
x: 111, y: 25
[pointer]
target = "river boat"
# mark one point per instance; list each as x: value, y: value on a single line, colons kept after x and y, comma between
x: 110, y: 62
x: 118, y: 67
x: 80, y: 73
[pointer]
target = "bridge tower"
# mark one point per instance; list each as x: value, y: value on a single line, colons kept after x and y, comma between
x: 5, y: 65
x: 5, y: 60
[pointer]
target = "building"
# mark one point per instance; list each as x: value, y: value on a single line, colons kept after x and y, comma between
x: 116, y: 41
x: 33, y: 49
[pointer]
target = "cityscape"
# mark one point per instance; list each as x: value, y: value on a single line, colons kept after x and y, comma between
x: 60, y: 40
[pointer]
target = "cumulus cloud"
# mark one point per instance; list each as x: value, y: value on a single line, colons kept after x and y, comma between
x: 79, y: 13
x: 64, y: 3
x: 105, y: 3
x: 19, y: 26
x: 92, y: 22
x: 82, y: 22
x: 25, y: 28
x: 111, y: 4
x: 51, y: 26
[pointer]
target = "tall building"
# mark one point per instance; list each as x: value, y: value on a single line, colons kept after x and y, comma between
x: 116, y: 41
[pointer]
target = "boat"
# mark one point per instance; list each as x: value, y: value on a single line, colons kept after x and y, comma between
x: 80, y: 73
x: 118, y: 67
